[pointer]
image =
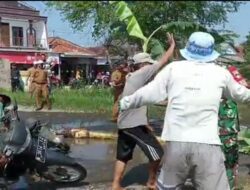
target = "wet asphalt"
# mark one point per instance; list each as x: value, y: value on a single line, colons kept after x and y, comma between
x: 98, y: 156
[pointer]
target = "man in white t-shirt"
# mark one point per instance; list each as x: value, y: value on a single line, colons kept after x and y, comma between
x: 194, y: 88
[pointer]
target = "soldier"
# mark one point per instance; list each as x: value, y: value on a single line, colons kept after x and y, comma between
x: 117, y: 82
x: 41, y: 80
x: 229, y: 128
x: 29, y: 81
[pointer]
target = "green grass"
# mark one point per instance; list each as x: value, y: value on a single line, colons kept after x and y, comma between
x: 89, y: 100
x: 98, y: 100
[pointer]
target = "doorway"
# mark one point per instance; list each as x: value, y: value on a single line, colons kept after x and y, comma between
x: 5, y: 35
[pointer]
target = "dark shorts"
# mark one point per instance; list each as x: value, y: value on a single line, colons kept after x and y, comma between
x: 141, y: 136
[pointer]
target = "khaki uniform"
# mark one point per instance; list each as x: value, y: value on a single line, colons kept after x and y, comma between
x: 118, y: 78
x: 32, y: 85
x: 41, y: 90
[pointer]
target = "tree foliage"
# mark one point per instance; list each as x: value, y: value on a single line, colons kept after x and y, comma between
x: 150, y: 14
x: 142, y: 18
x: 245, y: 68
x: 247, y: 48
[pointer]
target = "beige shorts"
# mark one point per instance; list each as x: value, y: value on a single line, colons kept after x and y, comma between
x: 203, y: 163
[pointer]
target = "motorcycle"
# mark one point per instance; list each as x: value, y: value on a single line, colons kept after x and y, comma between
x: 54, y: 141
x: 37, y: 128
x: 25, y: 152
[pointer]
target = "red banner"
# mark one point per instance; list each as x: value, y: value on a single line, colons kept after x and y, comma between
x: 20, y: 57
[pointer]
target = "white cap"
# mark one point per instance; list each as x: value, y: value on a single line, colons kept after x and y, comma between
x: 38, y: 62
x: 143, y: 58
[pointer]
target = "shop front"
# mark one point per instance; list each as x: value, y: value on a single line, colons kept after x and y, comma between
x: 24, y: 60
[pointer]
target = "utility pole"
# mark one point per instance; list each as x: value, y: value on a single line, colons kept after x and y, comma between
x: 53, y: 33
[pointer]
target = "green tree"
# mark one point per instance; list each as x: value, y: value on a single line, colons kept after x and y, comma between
x: 150, y: 14
x: 245, y: 68
x: 247, y: 48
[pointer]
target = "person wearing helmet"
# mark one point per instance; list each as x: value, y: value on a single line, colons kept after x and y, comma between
x: 29, y: 81
x: 229, y: 128
x: 41, y: 80
x: 193, y: 146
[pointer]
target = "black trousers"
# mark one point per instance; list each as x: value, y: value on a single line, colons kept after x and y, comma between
x: 15, y: 85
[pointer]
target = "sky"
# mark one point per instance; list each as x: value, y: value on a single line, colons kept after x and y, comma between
x: 237, y: 22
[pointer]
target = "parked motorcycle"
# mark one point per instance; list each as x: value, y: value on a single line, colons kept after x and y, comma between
x: 33, y: 153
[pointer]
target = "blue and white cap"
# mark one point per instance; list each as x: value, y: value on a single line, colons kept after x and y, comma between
x: 200, y: 47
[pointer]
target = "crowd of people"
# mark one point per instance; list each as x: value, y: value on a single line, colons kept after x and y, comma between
x: 201, y: 122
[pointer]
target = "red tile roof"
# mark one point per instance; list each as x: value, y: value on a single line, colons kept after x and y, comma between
x: 59, y: 45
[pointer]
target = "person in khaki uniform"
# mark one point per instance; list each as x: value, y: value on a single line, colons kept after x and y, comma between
x: 40, y: 78
x: 29, y: 80
x: 118, y: 79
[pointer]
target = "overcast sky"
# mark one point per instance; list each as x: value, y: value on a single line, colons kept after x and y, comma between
x: 237, y: 22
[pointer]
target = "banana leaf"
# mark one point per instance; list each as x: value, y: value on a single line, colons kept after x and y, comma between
x: 125, y: 14
x: 123, y: 11
x: 145, y: 45
x: 134, y: 29
x: 157, y: 49
x: 181, y: 28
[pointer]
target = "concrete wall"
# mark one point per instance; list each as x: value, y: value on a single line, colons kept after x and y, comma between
x: 39, y: 26
x: 5, y: 74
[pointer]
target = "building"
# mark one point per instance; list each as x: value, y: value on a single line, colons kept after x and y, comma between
x: 76, y: 58
x: 23, y: 33
x: 231, y: 53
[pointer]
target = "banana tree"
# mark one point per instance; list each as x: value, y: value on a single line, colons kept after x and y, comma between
x: 151, y: 44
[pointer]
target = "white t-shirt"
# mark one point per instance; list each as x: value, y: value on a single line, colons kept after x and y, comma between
x: 194, y: 91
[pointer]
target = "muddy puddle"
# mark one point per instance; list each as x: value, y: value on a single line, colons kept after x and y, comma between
x: 98, y: 156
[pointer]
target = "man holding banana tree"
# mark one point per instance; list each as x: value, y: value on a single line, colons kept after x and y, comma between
x: 133, y: 126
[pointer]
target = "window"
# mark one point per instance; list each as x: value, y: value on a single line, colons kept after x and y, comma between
x: 17, y: 36
x: 31, y: 37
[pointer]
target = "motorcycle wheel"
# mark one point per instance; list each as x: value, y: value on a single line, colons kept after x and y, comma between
x: 65, y: 173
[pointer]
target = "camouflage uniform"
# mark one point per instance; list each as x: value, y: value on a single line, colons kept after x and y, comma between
x: 228, y: 129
